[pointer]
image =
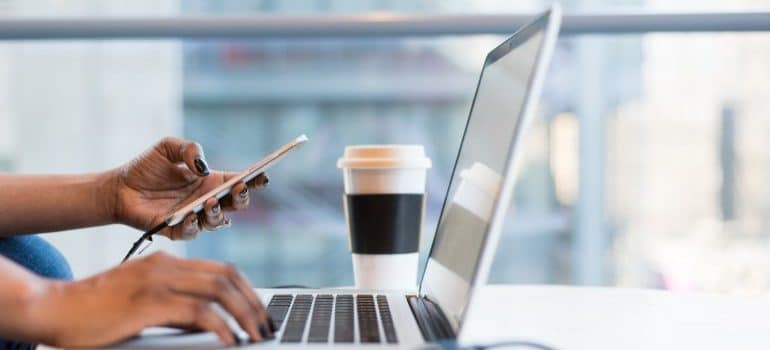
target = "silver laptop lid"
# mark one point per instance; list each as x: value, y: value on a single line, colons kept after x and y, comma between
x: 482, y: 180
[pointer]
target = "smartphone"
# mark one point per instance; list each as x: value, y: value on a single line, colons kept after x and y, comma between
x: 246, y: 175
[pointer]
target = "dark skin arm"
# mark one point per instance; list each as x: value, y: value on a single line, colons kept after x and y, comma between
x: 157, y: 290
x: 150, y: 291
x: 140, y: 194
x: 35, y: 203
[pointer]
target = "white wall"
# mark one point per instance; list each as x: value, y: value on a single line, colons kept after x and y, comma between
x: 88, y: 106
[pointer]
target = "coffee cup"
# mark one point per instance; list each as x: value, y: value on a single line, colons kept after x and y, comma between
x: 384, y: 204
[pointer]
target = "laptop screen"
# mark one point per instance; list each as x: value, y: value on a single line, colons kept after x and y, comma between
x: 481, y: 165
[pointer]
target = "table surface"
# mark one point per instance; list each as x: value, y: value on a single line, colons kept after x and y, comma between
x: 614, y: 318
x: 566, y: 317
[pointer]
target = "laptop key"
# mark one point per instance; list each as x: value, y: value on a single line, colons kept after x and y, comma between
x: 343, y: 319
x: 295, y: 324
x: 321, y: 319
x: 368, y: 329
x: 387, y: 319
x: 278, y: 307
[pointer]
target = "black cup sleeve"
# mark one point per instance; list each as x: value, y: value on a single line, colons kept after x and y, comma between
x: 384, y: 223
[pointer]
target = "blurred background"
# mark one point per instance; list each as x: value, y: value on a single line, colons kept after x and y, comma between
x: 646, y: 166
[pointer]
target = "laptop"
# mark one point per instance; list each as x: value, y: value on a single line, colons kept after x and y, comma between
x: 466, y: 238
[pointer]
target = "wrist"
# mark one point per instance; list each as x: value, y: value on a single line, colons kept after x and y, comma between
x: 107, y: 191
x: 37, y: 308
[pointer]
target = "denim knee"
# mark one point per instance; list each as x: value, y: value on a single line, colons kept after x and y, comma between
x: 36, y: 255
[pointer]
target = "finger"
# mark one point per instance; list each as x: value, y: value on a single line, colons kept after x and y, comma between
x: 260, y: 181
x: 212, y: 216
x: 239, y: 196
x: 244, y: 287
x: 219, y: 288
x: 187, y: 229
x: 191, y: 153
x: 187, y: 312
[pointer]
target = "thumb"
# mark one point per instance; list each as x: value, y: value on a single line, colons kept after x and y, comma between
x: 191, y: 153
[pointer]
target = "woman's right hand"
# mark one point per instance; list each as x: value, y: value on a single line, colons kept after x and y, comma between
x: 157, y: 290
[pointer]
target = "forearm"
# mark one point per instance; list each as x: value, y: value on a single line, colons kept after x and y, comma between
x: 45, y: 203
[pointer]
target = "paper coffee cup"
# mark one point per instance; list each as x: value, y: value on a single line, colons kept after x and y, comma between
x: 384, y: 205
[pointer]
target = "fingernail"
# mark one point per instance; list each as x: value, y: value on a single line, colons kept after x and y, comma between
x: 265, y: 333
x: 201, y: 165
x: 262, y: 332
x: 215, y: 209
x: 244, y: 192
x: 236, y: 339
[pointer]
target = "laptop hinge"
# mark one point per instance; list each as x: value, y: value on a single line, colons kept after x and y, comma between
x: 432, y: 322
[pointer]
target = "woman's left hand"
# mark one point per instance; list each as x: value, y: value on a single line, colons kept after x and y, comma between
x: 167, y: 176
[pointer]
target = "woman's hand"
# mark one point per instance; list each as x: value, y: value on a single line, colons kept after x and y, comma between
x: 169, y: 175
x: 157, y: 290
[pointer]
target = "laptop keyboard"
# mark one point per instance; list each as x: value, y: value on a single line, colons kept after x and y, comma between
x: 295, y: 325
x: 367, y: 319
x: 328, y: 318
x: 322, y: 319
x: 343, y: 319
x: 387, y: 319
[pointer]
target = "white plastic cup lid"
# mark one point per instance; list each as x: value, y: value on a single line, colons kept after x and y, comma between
x: 384, y: 157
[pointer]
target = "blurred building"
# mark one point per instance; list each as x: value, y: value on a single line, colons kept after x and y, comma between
x: 242, y: 98
x: 680, y: 124
x: 689, y: 162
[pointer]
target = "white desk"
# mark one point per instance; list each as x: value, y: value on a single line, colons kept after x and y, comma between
x: 610, y: 318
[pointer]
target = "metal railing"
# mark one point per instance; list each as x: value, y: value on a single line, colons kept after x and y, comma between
x: 366, y: 25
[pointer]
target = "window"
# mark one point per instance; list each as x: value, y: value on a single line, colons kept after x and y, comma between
x: 680, y: 113
x: 645, y: 167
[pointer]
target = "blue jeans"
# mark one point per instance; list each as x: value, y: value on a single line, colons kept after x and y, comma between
x: 38, y: 256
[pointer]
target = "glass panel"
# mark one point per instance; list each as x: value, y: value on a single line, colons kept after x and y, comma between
x: 86, y: 106
x: 680, y: 116
x: 242, y: 99
x: 646, y: 166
